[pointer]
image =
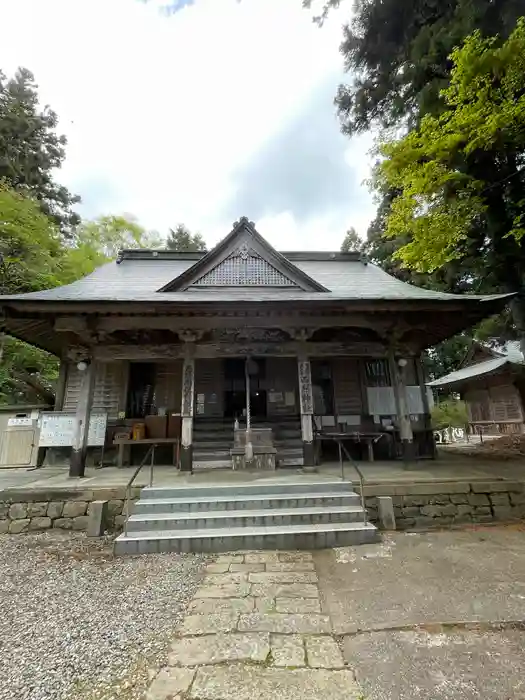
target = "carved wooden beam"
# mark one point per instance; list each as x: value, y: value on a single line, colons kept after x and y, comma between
x: 301, y: 334
x: 208, y: 322
x: 190, y: 336
x: 209, y: 350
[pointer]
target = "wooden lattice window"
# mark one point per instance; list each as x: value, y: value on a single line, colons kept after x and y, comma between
x: 244, y: 268
x: 377, y: 373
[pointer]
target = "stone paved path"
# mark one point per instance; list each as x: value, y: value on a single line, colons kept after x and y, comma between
x: 255, y: 631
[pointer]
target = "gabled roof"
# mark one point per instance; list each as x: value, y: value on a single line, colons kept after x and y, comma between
x: 243, y: 259
x: 507, y: 354
x: 142, y: 276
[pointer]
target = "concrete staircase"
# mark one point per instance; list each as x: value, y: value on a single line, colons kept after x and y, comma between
x: 223, y: 518
x: 213, y: 440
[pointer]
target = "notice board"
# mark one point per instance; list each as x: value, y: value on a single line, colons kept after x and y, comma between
x: 57, y: 429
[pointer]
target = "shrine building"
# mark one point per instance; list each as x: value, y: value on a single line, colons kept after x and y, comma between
x: 198, y: 345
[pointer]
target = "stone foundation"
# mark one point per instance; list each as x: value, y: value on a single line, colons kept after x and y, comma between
x: 34, y: 510
x: 424, y: 506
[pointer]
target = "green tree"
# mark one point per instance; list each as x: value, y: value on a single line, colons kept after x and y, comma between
x: 352, y: 242
x: 31, y: 150
x: 30, y: 259
x: 461, y: 174
x: 180, y: 238
x: 30, y: 245
x: 449, y: 413
x: 33, y: 257
x: 100, y: 240
x: 398, y: 53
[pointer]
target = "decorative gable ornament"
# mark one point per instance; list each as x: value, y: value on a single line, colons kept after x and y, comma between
x: 244, y: 268
x: 243, y: 259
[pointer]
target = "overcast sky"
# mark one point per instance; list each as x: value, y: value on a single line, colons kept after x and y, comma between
x: 221, y: 110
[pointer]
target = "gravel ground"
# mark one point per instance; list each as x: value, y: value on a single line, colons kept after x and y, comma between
x: 75, y: 623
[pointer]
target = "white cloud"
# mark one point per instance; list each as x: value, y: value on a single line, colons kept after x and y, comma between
x: 161, y: 113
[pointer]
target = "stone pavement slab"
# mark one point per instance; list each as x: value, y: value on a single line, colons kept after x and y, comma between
x: 291, y: 566
x: 224, y: 579
x: 297, y: 605
x: 283, y: 577
x: 460, y: 665
x: 196, y: 651
x: 232, y: 590
x: 261, y: 557
x: 259, y: 683
x: 225, y: 621
x: 264, y: 604
x: 218, y: 568
x: 284, y: 623
x: 248, y: 568
x: 284, y: 590
x: 169, y: 682
x: 295, y: 556
x: 207, y: 606
x: 287, y: 650
x: 230, y: 559
x: 323, y: 652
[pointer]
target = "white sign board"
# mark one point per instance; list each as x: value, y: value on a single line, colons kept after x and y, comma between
x: 57, y: 429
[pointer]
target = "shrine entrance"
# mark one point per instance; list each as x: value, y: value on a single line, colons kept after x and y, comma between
x: 235, y: 387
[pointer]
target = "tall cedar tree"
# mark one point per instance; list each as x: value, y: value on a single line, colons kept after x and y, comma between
x: 181, y: 239
x: 31, y: 150
x: 398, y: 52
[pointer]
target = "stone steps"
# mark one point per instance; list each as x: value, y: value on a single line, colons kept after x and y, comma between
x: 264, y: 514
x: 213, y: 440
x: 244, y: 518
x: 286, y: 537
x: 255, y: 502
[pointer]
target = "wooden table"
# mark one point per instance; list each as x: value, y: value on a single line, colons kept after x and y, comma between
x: 369, y: 439
x: 155, y: 442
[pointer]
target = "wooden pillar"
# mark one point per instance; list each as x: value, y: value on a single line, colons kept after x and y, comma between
x: 188, y: 393
x: 397, y: 371
x: 427, y: 420
x: 77, y: 465
x: 60, y: 390
x: 307, y: 409
x: 420, y: 371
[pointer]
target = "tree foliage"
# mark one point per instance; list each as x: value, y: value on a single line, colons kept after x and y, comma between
x: 461, y: 175
x: 450, y: 413
x: 100, y: 240
x: 399, y: 54
x: 352, y: 242
x: 33, y: 257
x: 31, y: 150
x: 181, y: 239
x: 30, y: 245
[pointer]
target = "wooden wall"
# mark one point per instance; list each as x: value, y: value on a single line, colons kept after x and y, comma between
x: 168, y: 385
x: 348, y: 395
x: 282, y: 384
x: 493, y: 399
x: 209, y: 384
x: 107, y: 395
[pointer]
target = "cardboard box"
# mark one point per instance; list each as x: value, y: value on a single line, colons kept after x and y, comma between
x: 156, y: 427
x: 174, y: 425
x: 139, y: 431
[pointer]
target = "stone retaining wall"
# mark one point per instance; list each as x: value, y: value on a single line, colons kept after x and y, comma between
x: 41, y: 509
x: 423, y: 506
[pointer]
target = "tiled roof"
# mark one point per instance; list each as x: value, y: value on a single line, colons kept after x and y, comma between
x: 509, y: 353
x: 470, y: 372
x: 139, y: 279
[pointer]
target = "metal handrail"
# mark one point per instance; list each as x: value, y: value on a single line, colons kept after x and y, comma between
x: 130, y: 482
x: 359, y: 474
